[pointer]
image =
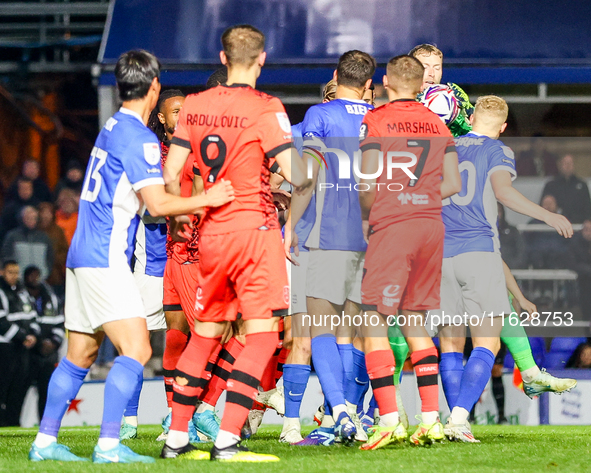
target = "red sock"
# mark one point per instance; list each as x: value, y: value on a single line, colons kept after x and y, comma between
x: 189, y: 379
x: 245, y: 379
x: 221, y: 371
x: 280, y: 362
x: 427, y: 371
x: 176, y: 341
x: 268, y: 380
x: 380, y: 368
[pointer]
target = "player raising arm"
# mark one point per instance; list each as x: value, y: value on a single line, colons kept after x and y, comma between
x: 101, y: 292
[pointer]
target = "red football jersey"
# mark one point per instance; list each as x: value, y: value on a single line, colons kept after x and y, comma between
x: 406, y: 132
x: 235, y: 132
x: 188, y: 251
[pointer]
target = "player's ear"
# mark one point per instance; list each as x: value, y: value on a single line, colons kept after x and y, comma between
x: 262, y: 58
x: 385, y: 81
x: 471, y: 120
x: 223, y: 58
x: 334, y: 76
x: 367, y: 84
x: 161, y: 118
x: 503, y: 127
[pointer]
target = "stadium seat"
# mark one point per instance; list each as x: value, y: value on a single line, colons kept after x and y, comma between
x: 538, y: 348
x: 566, y: 344
x: 557, y: 360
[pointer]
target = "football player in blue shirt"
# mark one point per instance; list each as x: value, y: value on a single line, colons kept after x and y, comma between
x: 336, y: 243
x: 101, y: 292
x: 473, y: 283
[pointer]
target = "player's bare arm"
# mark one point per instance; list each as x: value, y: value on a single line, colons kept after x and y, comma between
x: 177, y: 156
x: 514, y: 289
x: 452, y: 182
x: 293, y: 168
x: 299, y: 203
x: 160, y: 203
x: 510, y: 197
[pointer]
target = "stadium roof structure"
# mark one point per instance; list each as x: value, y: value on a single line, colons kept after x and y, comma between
x: 484, y: 42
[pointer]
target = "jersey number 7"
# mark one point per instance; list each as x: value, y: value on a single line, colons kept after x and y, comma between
x: 426, y: 145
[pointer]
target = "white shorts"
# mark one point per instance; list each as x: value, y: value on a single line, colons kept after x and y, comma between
x: 473, y: 284
x: 297, y: 276
x: 95, y: 296
x: 152, y: 291
x: 335, y: 275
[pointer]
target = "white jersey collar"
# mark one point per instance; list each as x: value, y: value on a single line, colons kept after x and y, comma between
x: 127, y: 111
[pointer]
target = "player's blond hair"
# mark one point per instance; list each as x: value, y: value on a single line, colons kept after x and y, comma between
x: 330, y: 91
x: 242, y: 44
x: 405, y: 72
x: 491, y: 110
x: 425, y: 50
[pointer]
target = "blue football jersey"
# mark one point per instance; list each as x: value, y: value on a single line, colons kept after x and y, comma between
x: 307, y: 220
x: 470, y: 217
x: 338, y: 213
x: 125, y: 158
x: 150, y: 246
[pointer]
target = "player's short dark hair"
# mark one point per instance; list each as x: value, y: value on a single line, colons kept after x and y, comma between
x: 153, y: 122
x: 425, y: 49
x: 242, y: 44
x: 9, y: 262
x: 355, y: 68
x: 405, y: 70
x: 135, y: 70
x: 219, y: 76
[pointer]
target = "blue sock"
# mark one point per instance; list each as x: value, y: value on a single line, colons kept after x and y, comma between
x: 346, y: 352
x: 451, y: 368
x: 119, y: 387
x: 360, y: 383
x: 476, y: 375
x: 295, y: 380
x: 329, y: 368
x: 134, y: 402
x: 63, y: 387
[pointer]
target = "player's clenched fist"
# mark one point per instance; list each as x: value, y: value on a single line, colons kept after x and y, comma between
x: 221, y: 193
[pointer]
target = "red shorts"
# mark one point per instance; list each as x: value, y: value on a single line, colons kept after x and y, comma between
x: 245, y: 268
x: 403, y: 267
x: 180, y: 288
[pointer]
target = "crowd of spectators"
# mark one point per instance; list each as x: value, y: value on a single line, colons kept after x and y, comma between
x: 36, y: 228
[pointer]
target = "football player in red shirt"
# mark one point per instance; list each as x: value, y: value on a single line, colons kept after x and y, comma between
x: 234, y: 132
x: 401, y: 209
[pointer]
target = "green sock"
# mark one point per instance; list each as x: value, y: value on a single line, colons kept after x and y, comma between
x: 400, y: 348
x: 517, y: 342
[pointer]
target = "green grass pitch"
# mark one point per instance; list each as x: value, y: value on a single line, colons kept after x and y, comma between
x: 503, y: 448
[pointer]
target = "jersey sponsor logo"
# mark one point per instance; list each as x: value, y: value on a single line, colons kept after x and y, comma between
x: 508, y: 152
x: 152, y: 153
x: 356, y: 109
x: 427, y: 369
x: 413, y: 127
x: 286, y: 294
x: 153, y: 171
x: 414, y: 199
x: 283, y: 120
x: 468, y: 141
x: 390, y: 294
x: 363, y: 131
x: 225, y: 121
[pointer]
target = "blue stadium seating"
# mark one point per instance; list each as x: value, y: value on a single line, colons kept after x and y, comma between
x: 557, y: 360
x: 566, y: 344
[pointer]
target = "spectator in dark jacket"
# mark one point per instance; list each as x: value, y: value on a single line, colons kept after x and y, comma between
x: 546, y: 250
x: 18, y: 334
x: 12, y: 210
x: 73, y: 179
x: 31, y: 170
x: 536, y: 161
x: 580, y: 261
x: 27, y: 245
x: 512, y: 245
x: 44, y: 356
x: 570, y: 192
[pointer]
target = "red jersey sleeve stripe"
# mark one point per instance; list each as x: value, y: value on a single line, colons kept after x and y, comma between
x: 275, y: 151
x: 367, y: 146
x: 180, y: 142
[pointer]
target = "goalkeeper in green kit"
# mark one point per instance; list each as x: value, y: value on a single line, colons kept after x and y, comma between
x: 535, y: 381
